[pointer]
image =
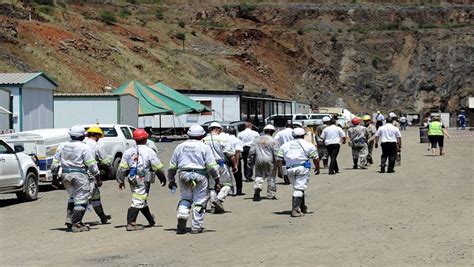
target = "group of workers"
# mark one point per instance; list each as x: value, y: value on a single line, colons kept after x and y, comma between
x: 206, y: 167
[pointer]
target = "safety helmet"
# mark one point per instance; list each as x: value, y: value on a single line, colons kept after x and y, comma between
x: 269, y: 127
x: 196, y: 130
x: 298, y: 132
x: 77, y: 131
x: 326, y: 119
x: 215, y: 125
x: 392, y: 115
x: 97, y: 130
x: 355, y: 121
x: 140, y: 134
x: 366, y: 118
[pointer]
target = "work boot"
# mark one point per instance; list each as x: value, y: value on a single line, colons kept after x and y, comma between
x: 382, y: 169
x: 304, y: 208
x: 286, y: 179
x: 355, y: 164
x: 149, y: 217
x: 181, y: 227
x: 256, y: 195
x: 134, y: 227
x: 369, y: 160
x: 197, y: 230
x: 218, y: 206
x: 70, y: 210
x: 295, y: 212
x: 79, y: 227
x: 100, y: 212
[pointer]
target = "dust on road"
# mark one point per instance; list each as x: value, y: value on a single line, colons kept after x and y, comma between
x: 422, y: 214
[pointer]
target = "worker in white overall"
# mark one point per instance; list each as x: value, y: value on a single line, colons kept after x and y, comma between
x: 297, y: 155
x: 225, y: 158
x: 104, y: 162
x: 195, y: 164
x: 282, y: 137
x: 262, y: 155
x: 77, y: 162
x: 359, y: 137
x: 139, y: 165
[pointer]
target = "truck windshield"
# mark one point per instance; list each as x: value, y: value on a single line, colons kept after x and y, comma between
x: 109, y: 132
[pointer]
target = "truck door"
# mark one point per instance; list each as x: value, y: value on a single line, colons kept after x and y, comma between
x: 129, y: 142
x: 10, y: 169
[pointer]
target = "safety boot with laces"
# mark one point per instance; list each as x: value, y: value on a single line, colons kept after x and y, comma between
x: 256, y: 195
x: 219, y: 206
x: 181, y: 227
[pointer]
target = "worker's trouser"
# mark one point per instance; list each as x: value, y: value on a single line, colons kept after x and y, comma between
x: 78, y: 187
x: 323, y: 154
x: 248, y: 171
x: 370, y: 148
x: 359, y: 154
x: 299, y: 177
x: 266, y: 171
x: 389, y: 150
x: 226, y: 180
x: 140, y: 190
x: 194, y: 193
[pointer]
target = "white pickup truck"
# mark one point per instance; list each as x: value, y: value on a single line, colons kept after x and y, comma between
x: 117, y: 139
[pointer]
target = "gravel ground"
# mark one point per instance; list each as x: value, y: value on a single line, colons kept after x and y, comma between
x: 420, y: 215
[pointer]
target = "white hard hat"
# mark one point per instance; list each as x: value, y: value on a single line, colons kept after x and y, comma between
x: 298, y: 131
x: 77, y: 131
x: 196, y: 130
x: 392, y: 115
x: 269, y: 127
x: 215, y: 125
x: 326, y: 119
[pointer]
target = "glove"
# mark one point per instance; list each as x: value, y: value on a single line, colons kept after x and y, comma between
x: 376, y: 145
x: 162, y: 180
x: 316, y: 171
x: 55, y: 182
x: 98, y: 180
x: 121, y: 185
x: 218, y: 185
x: 171, y: 185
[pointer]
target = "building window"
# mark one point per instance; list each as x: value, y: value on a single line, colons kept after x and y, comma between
x: 207, y: 103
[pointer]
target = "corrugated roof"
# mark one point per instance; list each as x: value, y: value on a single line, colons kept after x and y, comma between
x: 22, y: 78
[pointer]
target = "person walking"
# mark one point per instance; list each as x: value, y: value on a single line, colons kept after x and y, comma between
x: 247, y: 137
x: 391, y: 141
x: 371, y: 130
x: 358, y: 136
x: 436, y: 133
x: 282, y: 137
x: 225, y: 158
x: 104, y: 162
x: 238, y: 146
x: 379, y: 118
x: 77, y: 162
x: 333, y: 136
x: 262, y: 156
x: 322, y: 150
x: 139, y: 166
x: 195, y: 164
x: 403, y: 123
x: 298, y: 154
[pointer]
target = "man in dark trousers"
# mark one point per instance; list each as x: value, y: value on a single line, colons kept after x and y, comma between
x: 333, y: 136
x: 391, y: 141
x: 247, y: 137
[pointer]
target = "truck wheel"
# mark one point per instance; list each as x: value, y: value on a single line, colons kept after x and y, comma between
x: 116, y: 165
x: 30, y: 192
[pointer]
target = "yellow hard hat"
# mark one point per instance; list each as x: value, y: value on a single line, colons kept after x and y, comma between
x: 366, y: 118
x: 97, y: 130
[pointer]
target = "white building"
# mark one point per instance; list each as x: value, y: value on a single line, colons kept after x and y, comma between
x: 29, y: 97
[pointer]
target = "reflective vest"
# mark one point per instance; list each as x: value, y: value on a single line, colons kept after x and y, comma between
x: 435, y: 128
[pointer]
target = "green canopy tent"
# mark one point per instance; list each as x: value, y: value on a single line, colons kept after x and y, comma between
x: 193, y: 106
x: 148, y: 103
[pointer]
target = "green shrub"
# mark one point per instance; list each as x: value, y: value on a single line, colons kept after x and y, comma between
x: 181, y: 36
x: 124, y: 12
x: 44, y: 2
x: 108, y: 18
x: 159, y: 14
x: 181, y: 24
x: 300, y: 31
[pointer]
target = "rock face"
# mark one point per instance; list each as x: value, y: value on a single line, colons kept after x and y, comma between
x: 406, y: 58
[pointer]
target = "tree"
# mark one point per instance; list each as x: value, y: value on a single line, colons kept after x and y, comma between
x: 181, y: 36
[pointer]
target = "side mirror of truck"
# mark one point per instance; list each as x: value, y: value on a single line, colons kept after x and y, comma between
x: 19, y: 148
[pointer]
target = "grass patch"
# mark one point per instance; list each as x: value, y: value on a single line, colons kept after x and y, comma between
x: 108, y: 17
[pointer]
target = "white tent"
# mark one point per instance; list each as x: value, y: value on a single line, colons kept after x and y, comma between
x: 4, y: 111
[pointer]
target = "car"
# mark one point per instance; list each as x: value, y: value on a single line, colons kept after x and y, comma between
x: 18, y: 173
x: 238, y: 125
x: 117, y: 139
x: 280, y: 120
x: 316, y: 119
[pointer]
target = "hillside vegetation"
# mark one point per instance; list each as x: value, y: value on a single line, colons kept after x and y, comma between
x: 364, y: 55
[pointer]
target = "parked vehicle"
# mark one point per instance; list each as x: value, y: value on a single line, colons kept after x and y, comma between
x: 18, y: 173
x: 280, y: 120
x: 238, y: 125
x: 41, y: 144
x: 117, y: 139
x: 316, y: 119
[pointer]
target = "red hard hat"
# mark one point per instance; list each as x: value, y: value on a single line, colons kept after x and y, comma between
x: 140, y: 134
x: 355, y: 121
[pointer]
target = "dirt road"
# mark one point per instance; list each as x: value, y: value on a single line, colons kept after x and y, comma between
x: 422, y: 214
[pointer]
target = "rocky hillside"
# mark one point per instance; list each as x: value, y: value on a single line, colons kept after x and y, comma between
x: 364, y: 56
